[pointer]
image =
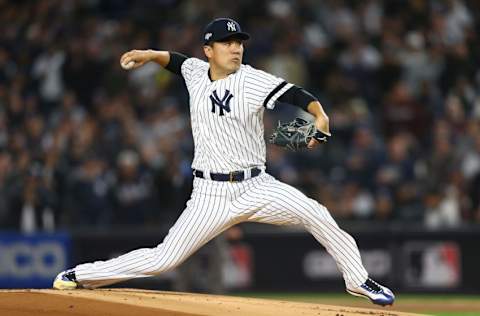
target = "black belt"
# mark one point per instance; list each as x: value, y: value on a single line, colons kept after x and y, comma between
x: 235, y: 176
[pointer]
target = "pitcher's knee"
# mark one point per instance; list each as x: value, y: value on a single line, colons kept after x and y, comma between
x: 318, y: 210
x: 349, y: 237
x: 164, y: 263
x: 325, y: 214
x: 322, y: 208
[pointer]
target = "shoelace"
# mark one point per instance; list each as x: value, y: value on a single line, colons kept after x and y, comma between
x: 372, y: 286
x: 70, y: 275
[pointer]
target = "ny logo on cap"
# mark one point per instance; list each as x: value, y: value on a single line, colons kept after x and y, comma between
x: 207, y: 36
x: 231, y: 26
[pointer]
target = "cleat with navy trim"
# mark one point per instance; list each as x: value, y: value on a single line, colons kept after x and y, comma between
x: 66, y: 280
x: 376, y: 293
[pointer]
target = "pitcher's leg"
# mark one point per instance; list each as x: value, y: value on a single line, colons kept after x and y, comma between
x: 289, y: 203
x: 203, y: 219
x: 281, y: 204
x: 338, y: 243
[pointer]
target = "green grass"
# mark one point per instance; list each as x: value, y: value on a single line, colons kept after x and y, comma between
x: 344, y: 296
x: 457, y: 314
x: 430, y: 304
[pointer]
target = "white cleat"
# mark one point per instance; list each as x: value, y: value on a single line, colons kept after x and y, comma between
x: 66, y: 280
x: 376, y: 293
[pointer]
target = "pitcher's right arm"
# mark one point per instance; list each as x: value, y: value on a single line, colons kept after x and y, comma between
x: 171, y: 61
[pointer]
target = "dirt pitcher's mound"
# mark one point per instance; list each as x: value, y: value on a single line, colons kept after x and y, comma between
x: 129, y: 302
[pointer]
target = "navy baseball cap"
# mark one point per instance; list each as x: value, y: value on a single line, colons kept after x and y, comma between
x: 222, y: 28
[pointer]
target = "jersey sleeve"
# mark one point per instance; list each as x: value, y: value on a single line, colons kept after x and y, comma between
x: 193, y: 68
x: 263, y: 88
x: 175, y: 63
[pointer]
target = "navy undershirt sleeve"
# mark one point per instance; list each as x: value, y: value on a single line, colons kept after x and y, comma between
x: 175, y: 63
x: 297, y: 96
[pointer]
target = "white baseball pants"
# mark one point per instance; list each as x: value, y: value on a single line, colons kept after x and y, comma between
x: 215, y: 206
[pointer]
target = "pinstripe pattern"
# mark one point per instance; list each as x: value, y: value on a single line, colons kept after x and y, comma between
x: 233, y: 141
x: 203, y: 219
x: 215, y: 206
x: 224, y: 143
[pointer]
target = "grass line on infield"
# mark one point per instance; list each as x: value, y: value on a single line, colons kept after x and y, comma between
x: 295, y: 295
x: 432, y: 304
x: 456, y: 314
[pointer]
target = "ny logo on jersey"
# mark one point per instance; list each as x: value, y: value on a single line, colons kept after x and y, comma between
x: 223, y: 103
x: 231, y: 27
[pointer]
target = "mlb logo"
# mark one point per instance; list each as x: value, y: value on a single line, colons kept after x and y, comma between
x: 432, y: 264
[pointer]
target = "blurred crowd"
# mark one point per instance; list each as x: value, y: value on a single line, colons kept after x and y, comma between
x: 85, y: 144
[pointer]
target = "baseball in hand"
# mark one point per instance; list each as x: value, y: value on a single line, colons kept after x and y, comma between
x: 128, y: 65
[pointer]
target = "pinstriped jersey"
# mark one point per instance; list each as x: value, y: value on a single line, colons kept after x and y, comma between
x: 227, y: 115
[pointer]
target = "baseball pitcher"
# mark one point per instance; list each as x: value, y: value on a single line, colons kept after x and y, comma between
x: 227, y: 103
